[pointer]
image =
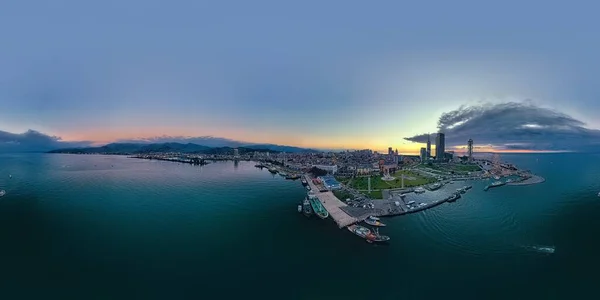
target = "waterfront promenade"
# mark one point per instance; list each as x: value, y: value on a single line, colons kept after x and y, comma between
x: 333, y: 205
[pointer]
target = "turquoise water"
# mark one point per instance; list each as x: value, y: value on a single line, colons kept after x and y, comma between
x: 100, y: 227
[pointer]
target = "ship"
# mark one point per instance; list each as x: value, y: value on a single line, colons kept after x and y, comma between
x: 306, y: 208
x: 2, y: 193
x: 454, y: 197
x: 259, y: 166
x: 419, y: 190
x: 272, y: 170
x: 283, y: 174
x: 304, y: 182
x: 367, y: 234
x: 374, y: 221
x: 308, y: 188
x: 292, y: 176
x: 317, y: 207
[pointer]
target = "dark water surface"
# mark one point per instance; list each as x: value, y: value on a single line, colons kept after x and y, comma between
x: 109, y: 227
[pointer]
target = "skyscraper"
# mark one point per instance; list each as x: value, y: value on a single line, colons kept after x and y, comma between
x: 440, y: 146
x: 390, y: 151
x: 470, y: 149
x: 236, y: 152
x: 423, y: 154
x: 428, y: 145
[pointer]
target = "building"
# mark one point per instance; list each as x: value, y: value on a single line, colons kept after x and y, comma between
x: 423, y: 154
x: 236, y: 152
x: 330, y: 169
x: 448, y: 155
x: 470, y: 149
x: 440, y: 146
x: 428, y: 146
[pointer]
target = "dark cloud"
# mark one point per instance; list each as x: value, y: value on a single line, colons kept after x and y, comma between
x: 32, y: 140
x: 515, y: 126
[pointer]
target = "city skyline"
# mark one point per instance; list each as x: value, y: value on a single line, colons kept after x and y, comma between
x: 333, y: 75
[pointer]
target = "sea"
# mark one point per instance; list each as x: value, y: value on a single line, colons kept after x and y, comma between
x: 112, y: 227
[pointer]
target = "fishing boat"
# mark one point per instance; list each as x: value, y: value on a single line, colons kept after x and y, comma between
x: 367, y: 234
x: 306, y: 208
x: 374, y: 221
x: 317, y: 207
x: 2, y: 193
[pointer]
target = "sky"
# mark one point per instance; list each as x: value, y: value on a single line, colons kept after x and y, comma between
x: 321, y: 74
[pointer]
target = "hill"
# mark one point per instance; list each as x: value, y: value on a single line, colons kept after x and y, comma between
x: 136, y: 148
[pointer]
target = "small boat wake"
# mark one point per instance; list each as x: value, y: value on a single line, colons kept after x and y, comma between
x: 541, y: 249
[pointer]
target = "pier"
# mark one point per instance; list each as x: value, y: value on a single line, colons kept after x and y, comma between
x: 333, y: 205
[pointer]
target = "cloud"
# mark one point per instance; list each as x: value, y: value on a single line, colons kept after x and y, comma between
x: 514, y: 126
x: 32, y: 140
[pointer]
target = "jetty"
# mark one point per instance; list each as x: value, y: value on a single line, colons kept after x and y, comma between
x: 533, y: 179
x: 333, y: 205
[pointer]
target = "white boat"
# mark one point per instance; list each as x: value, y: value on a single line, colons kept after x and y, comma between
x: 598, y: 194
x: 299, y: 207
x: 2, y: 193
x: 419, y: 190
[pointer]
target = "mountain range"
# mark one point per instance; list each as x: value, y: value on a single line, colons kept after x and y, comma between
x: 140, y: 148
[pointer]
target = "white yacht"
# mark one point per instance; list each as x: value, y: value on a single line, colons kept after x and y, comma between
x: 2, y: 193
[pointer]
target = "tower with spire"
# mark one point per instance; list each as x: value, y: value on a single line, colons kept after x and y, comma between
x: 428, y: 146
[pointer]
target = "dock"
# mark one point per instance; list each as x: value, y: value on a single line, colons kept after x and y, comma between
x: 333, y: 205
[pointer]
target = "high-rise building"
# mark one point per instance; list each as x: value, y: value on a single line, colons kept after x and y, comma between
x: 423, y: 154
x: 236, y: 152
x: 428, y: 145
x: 440, y: 146
x: 390, y: 151
x: 470, y: 149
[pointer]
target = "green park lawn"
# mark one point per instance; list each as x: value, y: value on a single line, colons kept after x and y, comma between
x: 410, y: 179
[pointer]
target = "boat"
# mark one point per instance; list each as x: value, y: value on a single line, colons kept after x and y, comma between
x: 2, y: 193
x: 308, y: 187
x: 306, y: 208
x: 292, y: 176
x: 317, y: 207
x: 299, y: 207
x: 367, y: 234
x: 304, y: 182
x: 598, y: 194
x: 419, y: 190
x: 259, y: 166
x: 374, y: 221
x: 454, y: 197
x: 274, y: 171
x: 468, y: 187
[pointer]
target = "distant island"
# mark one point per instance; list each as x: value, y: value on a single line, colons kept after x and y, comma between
x: 189, y: 148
